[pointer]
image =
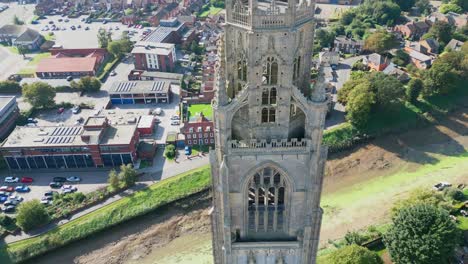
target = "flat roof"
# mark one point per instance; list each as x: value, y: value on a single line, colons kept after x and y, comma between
x: 153, y: 48
x: 117, y: 135
x: 146, y: 121
x: 161, y: 33
x: 132, y: 87
x: 86, y: 64
x: 5, y: 101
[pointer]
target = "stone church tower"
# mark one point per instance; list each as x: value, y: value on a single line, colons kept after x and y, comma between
x: 268, y: 164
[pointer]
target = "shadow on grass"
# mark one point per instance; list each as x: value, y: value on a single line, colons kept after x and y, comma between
x: 4, y: 256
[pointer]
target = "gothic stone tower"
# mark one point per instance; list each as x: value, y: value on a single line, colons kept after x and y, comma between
x: 267, y: 167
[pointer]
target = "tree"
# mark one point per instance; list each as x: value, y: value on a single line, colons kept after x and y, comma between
x: 421, y: 196
x: 39, y: 94
x: 441, y: 31
x: 424, y: 6
x: 401, y: 58
x: 380, y: 41
x: 87, y: 84
x: 353, y: 254
x: 113, y: 180
x: 17, y: 21
x: 387, y: 88
x: 116, y: 48
x: 324, y: 38
x: 414, y: 88
x: 10, y: 87
x: 170, y: 152
x: 450, y: 7
x: 127, y: 175
x: 421, y: 234
x: 439, y: 79
x: 405, y: 5
x: 22, y: 50
x: 454, y: 194
x: 31, y: 214
x: 360, y: 101
x: 104, y: 37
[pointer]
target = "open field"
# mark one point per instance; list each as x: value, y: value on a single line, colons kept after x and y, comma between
x: 211, y: 12
x: 206, y: 109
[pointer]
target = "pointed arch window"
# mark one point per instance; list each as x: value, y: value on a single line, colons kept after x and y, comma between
x: 270, y: 71
x: 242, y: 69
x: 266, y: 201
x: 269, y: 96
x: 273, y: 96
x: 265, y: 115
x: 268, y: 115
x: 296, y: 68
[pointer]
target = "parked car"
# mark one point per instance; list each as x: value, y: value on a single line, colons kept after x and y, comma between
x: 69, y: 78
x: 32, y: 120
x: 76, y: 109
x: 55, y: 185
x: 10, y: 189
x: 15, y: 77
x: 45, y: 202
x: 188, y: 150
x: 9, y: 209
x: 50, y: 193
x: 59, y: 179
x: 22, y: 189
x: 175, y: 123
x: 11, y: 179
x: 4, y: 194
x: 86, y: 28
x: 113, y: 73
x: 60, y: 110
x: 5, y: 188
x: 47, y: 198
x: 175, y: 117
x: 73, y: 179
x: 80, y: 119
x: 441, y: 186
x: 3, y: 199
x: 69, y: 187
x: 157, y: 111
x: 26, y: 180
x: 15, y: 198
x: 11, y: 202
x: 67, y: 20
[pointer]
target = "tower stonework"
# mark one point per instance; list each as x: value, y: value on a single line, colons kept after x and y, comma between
x: 268, y: 163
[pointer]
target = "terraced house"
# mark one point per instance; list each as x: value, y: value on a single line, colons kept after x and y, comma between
x: 94, y: 144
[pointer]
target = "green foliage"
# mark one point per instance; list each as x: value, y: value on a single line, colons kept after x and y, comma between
x: 450, y: 7
x: 39, y: 94
x: 421, y: 196
x: 414, y: 88
x: 354, y: 237
x: 359, y: 66
x: 86, y: 84
x: 405, y: 5
x: 104, y: 37
x: 401, y: 58
x: 441, y: 31
x: 353, y: 254
x: 129, y: 11
x: 360, y: 101
x: 127, y: 175
x: 421, y: 234
x: 170, y: 151
x: 380, y: 41
x: 424, y: 6
x: 139, y: 203
x: 31, y: 214
x: 340, y: 137
x: 22, y: 50
x: 10, y: 87
x: 324, y: 38
x: 454, y: 194
x: 113, y: 180
x: 440, y: 79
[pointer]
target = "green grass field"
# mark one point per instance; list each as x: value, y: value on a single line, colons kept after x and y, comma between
x: 206, y: 109
x: 139, y: 203
x: 212, y: 11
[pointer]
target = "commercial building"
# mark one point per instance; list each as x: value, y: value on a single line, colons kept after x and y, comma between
x: 23, y: 36
x: 71, y: 62
x: 140, y: 92
x: 146, y: 125
x: 9, y: 112
x: 173, y: 78
x: 94, y: 144
x: 154, y: 56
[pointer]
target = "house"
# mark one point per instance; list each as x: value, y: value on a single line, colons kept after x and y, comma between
x: 23, y: 36
x: 454, y: 45
x: 420, y: 60
x: 199, y: 130
x: 329, y: 57
x: 95, y: 144
x: 431, y: 45
x: 347, y: 45
x: 376, y: 61
x: 153, y: 56
x: 413, y: 29
x: 71, y: 62
x: 398, y: 73
x: 457, y: 20
x: 140, y: 92
x: 9, y: 112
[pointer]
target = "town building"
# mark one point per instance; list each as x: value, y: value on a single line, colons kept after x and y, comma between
x: 173, y: 78
x: 198, y: 130
x: 454, y: 45
x: 171, y: 31
x: 94, y: 144
x: 329, y: 57
x: 454, y: 19
x: 418, y: 59
x: 267, y: 167
x: 413, y: 30
x: 376, y: 61
x: 347, y: 45
x: 71, y: 62
x: 396, y: 72
x: 146, y: 125
x: 9, y: 112
x: 151, y: 56
x: 21, y: 36
x: 140, y: 92
x: 339, y: 2
x: 431, y: 46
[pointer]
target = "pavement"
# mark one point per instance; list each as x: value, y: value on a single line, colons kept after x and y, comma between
x: 160, y: 171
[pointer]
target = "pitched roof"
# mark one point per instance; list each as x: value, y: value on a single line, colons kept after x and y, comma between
x: 454, y: 44
x: 28, y: 35
x: 22, y: 33
x: 66, y: 64
x: 376, y: 59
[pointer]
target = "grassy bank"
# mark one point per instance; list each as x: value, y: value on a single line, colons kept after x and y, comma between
x: 139, y: 203
x: 403, y: 117
x: 211, y: 11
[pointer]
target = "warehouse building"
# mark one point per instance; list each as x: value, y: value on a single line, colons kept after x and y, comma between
x: 140, y: 92
x: 94, y: 144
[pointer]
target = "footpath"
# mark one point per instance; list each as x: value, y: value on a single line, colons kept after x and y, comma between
x: 151, y: 175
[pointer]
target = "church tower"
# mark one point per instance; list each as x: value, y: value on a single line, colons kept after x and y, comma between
x: 268, y: 163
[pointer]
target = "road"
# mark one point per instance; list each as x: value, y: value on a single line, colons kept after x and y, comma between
x: 343, y: 73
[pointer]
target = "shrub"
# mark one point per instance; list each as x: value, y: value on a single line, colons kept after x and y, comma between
x: 353, y: 254
x: 414, y: 88
x: 454, y: 194
x: 170, y: 151
x: 31, y: 214
x: 354, y: 237
x: 10, y: 87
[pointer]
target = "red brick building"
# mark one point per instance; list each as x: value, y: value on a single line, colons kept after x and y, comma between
x: 71, y: 62
x: 154, y: 56
x: 94, y: 144
x: 413, y: 30
x: 198, y: 131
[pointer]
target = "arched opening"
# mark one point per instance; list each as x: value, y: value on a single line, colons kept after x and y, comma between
x: 296, y: 68
x: 273, y: 96
x: 272, y: 115
x: 297, y: 121
x: 264, y: 115
x: 270, y: 71
x: 266, y: 197
x: 242, y: 69
x: 240, y: 124
x: 265, y: 96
